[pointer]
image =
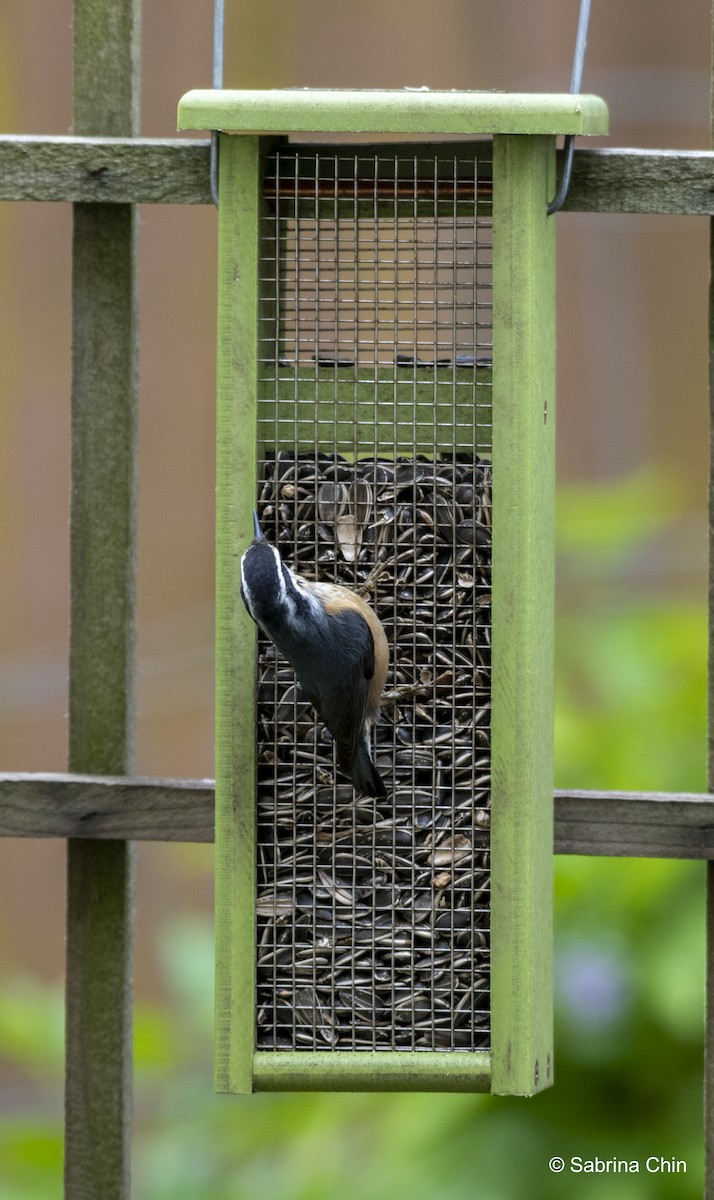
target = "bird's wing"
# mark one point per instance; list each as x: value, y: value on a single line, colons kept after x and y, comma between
x: 343, y: 707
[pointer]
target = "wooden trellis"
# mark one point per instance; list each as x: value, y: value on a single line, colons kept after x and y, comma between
x: 100, y: 808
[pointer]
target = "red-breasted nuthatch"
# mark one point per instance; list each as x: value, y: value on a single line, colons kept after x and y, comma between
x: 334, y: 643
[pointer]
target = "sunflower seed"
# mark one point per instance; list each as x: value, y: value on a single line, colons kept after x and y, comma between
x: 372, y: 916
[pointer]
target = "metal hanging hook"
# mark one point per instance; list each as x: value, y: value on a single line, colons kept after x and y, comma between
x: 217, y: 82
x: 575, y: 86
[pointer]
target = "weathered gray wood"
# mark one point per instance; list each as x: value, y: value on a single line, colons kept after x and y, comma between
x: 86, y: 806
x: 642, y: 181
x: 638, y: 824
x: 641, y: 824
x: 709, y: 976
x: 106, y: 67
x: 100, y: 875
x: 103, y: 518
x: 175, y: 171
x: 98, y: 1020
x: 105, y: 170
x: 709, y: 1038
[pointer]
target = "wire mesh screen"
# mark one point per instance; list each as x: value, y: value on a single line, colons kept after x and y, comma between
x: 374, y: 436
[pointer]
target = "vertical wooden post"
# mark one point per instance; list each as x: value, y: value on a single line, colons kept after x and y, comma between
x: 522, y: 615
x: 104, y: 374
x: 709, y: 1009
x: 239, y: 189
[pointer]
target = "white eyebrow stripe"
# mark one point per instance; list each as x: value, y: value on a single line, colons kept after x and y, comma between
x: 282, y: 590
x: 246, y: 589
x: 308, y: 591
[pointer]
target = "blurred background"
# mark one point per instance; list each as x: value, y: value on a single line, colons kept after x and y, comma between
x: 631, y: 632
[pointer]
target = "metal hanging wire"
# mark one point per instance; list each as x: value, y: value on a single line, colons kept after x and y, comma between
x: 217, y: 82
x: 575, y: 85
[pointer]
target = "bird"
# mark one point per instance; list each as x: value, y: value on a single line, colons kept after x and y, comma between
x: 335, y: 644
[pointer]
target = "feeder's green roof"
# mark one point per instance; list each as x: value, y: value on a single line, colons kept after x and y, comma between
x: 412, y: 110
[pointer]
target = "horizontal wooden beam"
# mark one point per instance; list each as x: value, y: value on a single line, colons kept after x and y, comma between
x: 91, y: 806
x: 642, y: 181
x: 176, y: 171
x: 105, y: 170
x: 638, y: 824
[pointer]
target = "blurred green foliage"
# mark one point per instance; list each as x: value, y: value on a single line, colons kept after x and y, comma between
x: 630, y: 714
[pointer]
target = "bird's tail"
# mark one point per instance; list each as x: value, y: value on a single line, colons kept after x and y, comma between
x: 364, y: 773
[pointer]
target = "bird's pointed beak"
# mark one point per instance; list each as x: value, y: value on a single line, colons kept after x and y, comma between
x: 258, y: 532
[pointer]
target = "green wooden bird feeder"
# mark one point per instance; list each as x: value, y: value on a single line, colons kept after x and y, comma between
x: 386, y: 370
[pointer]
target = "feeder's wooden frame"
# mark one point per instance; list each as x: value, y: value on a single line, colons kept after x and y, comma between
x: 100, y: 807
x: 523, y: 434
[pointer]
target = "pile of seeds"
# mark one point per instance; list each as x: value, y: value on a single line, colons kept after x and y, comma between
x: 373, y: 917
